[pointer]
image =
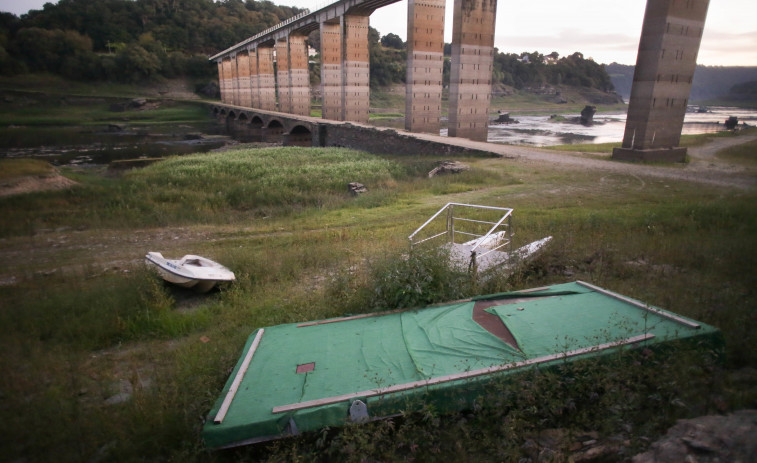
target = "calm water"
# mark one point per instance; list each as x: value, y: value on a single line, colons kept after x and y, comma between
x: 103, y: 144
x: 607, y: 127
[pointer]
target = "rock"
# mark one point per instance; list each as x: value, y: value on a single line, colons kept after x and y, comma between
x: 356, y: 188
x: 731, y: 122
x: 449, y: 167
x: 115, y: 128
x: 137, y: 103
x: 707, y: 439
x: 504, y: 118
x: 587, y: 115
x: 193, y: 136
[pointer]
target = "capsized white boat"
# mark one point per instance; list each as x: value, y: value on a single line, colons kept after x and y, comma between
x: 190, y: 271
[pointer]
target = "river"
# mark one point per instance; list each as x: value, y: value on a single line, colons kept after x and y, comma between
x: 109, y: 142
x: 607, y: 128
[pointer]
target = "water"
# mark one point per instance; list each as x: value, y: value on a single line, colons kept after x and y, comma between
x: 103, y: 144
x: 109, y: 142
x: 607, y: 128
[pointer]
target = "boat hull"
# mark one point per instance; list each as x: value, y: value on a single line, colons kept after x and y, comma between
x: 198, y: 273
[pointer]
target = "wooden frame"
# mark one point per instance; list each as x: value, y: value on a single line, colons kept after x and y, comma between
x: 457, y: 376
x: 238, y: 379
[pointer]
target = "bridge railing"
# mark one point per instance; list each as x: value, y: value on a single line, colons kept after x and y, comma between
x: 286, y: 22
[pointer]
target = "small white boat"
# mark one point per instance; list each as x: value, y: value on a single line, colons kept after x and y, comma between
x: 190, y: 271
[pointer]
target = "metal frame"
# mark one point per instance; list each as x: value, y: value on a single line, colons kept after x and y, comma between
x: 503, y: 224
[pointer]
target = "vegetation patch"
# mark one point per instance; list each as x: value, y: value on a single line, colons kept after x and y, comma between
x: 118, y: 366
x: 745, y: 153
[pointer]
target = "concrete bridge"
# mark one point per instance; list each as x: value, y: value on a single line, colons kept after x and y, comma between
x: 669, y: 44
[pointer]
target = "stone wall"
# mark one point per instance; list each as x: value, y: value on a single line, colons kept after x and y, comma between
x: 386, y: 141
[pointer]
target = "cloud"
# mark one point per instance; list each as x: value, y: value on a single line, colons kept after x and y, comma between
x: 604, y: 48
x: 728, y: 49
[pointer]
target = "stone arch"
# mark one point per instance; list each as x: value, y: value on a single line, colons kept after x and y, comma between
x: 274, y: 132
x: 256, y: 121
x: 299, y: 135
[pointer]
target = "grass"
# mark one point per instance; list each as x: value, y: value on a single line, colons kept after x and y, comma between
x: 13, y: 168
x: 745, y: 154
x: 103, y: 362
x: 37, y: 110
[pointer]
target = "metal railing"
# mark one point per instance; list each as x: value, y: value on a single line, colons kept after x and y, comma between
x: 489, y: 234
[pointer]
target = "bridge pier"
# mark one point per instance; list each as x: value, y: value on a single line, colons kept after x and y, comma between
x: 299, y: 75
x: 668, y: 48
x: 425, y: 63
x: 254, y: 78
x: 356, y: 80
x: 235, y: 80
x: 243, y: 67
x: 282, y: 75
x: 227, y: 93
x: 266, y: 79
x: 471, y: 72
x: 331, y: 70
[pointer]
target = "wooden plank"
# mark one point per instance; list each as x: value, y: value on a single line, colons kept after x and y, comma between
x: 533, y: 290
x: 457, y: 376
x: 646, y: 307
x: 238, y: 379
x: 354, y: 317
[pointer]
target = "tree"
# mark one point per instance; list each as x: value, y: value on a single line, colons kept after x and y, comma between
x: 137, y: 64
x: 393, y: 41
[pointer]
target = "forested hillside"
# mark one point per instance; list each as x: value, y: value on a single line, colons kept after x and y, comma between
x: 130, y: 40
x: 710, y: 82
x: 135, y: 40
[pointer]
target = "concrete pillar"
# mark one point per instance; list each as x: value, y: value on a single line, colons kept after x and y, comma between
x: 331, y: 71
x: 243, y: 66
x: 228, y: 93
x: 425, y: 61
x: 283, y: 83
x: 234, y: 80
x: 668, y: 48
x: 221, y: 80
x: 266, y: 79
x: 254, y: 79
x: 299, y: 75
x: 356, y: 76
x: 471, y: 72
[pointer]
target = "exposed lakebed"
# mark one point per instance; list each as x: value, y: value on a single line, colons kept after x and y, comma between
x: 100, y: 144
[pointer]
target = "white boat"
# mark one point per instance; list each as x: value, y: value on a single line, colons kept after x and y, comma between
x: 190, y: 271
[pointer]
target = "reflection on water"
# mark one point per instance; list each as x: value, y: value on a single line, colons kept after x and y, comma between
x: 607, y: 127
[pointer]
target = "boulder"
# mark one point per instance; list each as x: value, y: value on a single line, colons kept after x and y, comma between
x: 356, y: 188
x: 707, y: 439
x: 449, y: 167
x: 587, y: 115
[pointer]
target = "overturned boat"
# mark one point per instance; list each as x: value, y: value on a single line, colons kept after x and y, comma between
x: 306, y: 376
x: 196, y: 272
x: 491, y: 230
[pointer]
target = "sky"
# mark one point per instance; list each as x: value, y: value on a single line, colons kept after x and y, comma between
x: 605, y: 30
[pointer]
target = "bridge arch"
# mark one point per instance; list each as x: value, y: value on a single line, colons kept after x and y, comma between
x: 299, y: 135
x: 273, y: 132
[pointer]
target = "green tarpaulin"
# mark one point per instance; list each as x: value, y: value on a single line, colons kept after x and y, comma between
x: 324, y: 366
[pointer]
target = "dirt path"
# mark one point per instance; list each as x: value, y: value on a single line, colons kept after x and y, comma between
x: 704, y: 167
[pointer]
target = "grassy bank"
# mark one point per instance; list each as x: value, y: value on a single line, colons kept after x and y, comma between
x: 104, y: 362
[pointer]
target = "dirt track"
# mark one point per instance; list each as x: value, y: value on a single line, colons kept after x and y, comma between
x: 704, y: 166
